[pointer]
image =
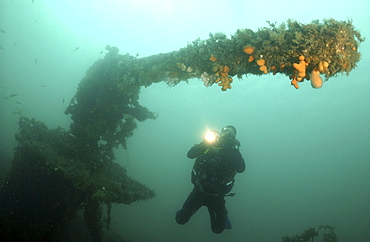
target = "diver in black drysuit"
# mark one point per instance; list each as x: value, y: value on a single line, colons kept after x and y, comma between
x: 213, y: 178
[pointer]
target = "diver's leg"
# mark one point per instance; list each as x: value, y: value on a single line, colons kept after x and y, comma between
x: 218, y: 214
x: 191, y: 205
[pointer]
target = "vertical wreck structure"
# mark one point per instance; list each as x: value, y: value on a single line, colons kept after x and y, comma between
x: 56, y: 172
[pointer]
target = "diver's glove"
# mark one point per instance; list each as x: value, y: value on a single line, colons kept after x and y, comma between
x: 212, y: 151
x: 197, y: 150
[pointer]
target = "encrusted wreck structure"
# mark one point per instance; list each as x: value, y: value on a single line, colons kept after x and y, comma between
x: 57, y: 172
x: 299, y: 51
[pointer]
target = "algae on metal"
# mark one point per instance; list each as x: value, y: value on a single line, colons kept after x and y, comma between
x: 323, y: 233
x: 56, y: 172
x: 332, y: 41
x: 49, y: 182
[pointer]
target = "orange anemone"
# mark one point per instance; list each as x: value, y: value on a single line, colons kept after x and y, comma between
x: 248, y: 49
x: 213, y: 58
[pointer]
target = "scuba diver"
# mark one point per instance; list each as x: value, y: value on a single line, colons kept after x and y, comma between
x: 217, y: 161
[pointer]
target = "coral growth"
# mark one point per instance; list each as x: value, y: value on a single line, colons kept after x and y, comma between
x: 207, y: 79
x: 316, y: 80
x: 300, y: 71
x: 323, y: 232
x: 301, y: 68
x: 335, y: 42
x: 248, y: 49
x: 56, y: 172
x: 223, y: 77
x: 50, y: 180
x: 213, y: 58
x: 262, y: 64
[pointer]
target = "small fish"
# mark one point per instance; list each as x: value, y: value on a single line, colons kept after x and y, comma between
x: 13, y: 95
x: 15, y: 44
x: 33, y: 1
x: 77, y: 48
x: 63, y: 100
x: 6, y: 97
x: 2, y: 31
x: 42, y: 86
x: 101, y: 52
x: 35, y: 61
x: 73, y: 136
x: 18, y: 102
x: 1, y: 48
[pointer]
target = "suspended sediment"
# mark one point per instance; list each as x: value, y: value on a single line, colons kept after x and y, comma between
x: 57, y: 172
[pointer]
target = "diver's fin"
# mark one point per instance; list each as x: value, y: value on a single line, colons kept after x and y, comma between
x: 227, y: 223
x: 230, y: 194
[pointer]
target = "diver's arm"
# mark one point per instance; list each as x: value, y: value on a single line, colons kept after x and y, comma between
x: 239, y: 162
x: 197, y: 150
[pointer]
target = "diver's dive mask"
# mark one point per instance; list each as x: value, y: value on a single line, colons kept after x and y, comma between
x: 228, y: 132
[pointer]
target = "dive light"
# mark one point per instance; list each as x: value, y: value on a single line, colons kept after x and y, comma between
x: 211, y: 136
